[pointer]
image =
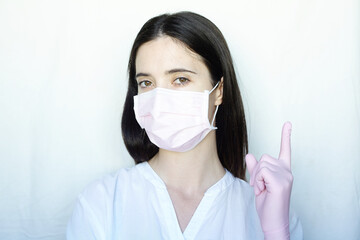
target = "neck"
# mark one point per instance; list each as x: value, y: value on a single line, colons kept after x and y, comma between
x: 190, y: 172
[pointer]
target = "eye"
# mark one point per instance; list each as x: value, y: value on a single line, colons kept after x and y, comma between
x: 181, y: 81
x: 145, y: 84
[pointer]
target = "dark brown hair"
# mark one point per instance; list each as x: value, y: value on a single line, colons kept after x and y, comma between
x: 201, y: 36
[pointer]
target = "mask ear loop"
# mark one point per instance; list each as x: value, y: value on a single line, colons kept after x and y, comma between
x: 214, y: 87
x: 212, y: 122
x: 217, y: 107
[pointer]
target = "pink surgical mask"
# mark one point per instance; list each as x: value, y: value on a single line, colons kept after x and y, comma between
x: 174, y: 120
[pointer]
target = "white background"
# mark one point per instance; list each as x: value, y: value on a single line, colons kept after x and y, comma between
x: 63, y: 81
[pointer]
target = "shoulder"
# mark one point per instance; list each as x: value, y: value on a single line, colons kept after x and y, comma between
x: 242, y: 184
x: 243, y: 189
x: 247, y: 198
x: 296, y: 231
x: 92, y: 214
x: 107, y: 186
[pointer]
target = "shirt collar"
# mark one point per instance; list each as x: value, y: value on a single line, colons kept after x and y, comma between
x: 149, y: 173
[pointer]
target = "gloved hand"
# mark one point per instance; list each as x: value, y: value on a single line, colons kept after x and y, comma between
x: 272, y: 181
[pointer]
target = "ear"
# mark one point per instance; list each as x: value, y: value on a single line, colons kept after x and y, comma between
x: 219, y: 92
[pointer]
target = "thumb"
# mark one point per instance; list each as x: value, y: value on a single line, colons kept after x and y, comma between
x: 250, y: 163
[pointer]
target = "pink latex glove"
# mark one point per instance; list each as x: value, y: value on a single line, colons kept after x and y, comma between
x: 272, y: 181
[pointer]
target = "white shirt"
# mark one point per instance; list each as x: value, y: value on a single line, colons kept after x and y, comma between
x: 134, y: 204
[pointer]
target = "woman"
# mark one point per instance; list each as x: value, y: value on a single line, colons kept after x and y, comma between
x: 184, y: 125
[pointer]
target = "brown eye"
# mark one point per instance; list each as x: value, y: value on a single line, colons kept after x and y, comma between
x: 145, y: 84
x: 181, y: 81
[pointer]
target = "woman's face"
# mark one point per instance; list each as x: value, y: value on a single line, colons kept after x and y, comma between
x: 166, y: 63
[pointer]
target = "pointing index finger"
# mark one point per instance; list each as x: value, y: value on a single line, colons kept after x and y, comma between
x: 285, y: 148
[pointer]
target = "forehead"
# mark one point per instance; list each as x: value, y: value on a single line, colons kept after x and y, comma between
x: 165, y: 53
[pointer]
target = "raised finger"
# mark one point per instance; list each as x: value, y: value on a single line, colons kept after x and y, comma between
x: 285, y: 148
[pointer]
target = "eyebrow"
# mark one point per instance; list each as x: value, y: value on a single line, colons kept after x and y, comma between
x: 142, y: 75
x: 175, y: 70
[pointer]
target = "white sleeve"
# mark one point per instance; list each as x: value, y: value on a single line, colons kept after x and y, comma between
x: 84, y: 224
x: 295, y: 227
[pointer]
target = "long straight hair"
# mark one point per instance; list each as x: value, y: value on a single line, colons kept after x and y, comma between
x: 202, y: 37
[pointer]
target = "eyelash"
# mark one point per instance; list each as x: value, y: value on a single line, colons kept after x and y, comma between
x: 143, y: 83
x: 182, y: 84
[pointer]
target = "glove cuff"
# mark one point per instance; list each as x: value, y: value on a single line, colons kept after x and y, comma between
x: 279, y: 234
